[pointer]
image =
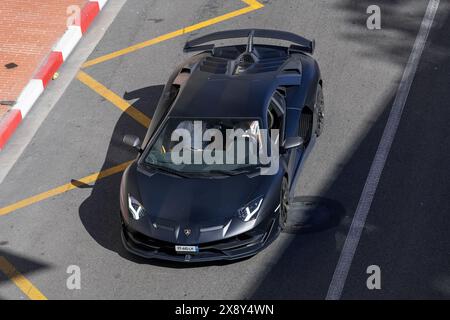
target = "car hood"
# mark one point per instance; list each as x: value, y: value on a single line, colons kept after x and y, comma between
x: 196, y: 210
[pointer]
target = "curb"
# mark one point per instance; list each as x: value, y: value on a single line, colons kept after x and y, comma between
x: 60, y: 52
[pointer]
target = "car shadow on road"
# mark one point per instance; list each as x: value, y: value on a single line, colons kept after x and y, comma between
x: 99, y: 213
x: 291, y: 276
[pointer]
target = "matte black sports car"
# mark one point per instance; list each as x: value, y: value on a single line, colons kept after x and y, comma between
x: 221, y: 211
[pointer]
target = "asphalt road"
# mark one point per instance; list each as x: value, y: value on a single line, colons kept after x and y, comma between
x: 406, y: 233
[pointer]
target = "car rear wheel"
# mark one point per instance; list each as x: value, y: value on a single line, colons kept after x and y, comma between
x: 320, y: 111
x: 284, y: 204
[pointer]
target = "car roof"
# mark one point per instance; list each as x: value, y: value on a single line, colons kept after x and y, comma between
x: 222, y: 97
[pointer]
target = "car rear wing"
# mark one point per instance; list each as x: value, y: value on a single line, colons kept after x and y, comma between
x: 300, y: 43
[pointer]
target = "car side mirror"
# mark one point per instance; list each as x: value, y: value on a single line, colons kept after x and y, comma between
x: 132, y: 141
x: 293, y: 142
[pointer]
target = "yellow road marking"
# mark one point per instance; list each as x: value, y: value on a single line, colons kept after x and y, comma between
x: 64, y: 188
x: 251, y: 6
x: 20, y: 281
x: 113, y: 98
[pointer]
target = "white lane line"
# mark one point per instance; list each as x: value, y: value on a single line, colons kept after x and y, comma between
x: 370, y: 187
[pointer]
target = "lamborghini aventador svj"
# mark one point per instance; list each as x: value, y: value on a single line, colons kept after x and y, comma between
x: 194, y: 193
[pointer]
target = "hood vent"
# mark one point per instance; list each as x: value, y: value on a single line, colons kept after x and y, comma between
x: 262, y: 60
x: 267, y: 65
x: 214, y: 65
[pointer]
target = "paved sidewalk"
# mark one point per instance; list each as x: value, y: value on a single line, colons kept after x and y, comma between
x: 29, y: 29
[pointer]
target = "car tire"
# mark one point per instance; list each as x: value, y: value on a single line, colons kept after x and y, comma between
x: 284, y: 204
x: 320, y: 105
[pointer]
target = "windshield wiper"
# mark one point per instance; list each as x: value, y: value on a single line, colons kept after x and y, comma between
x: 237, y: 171
x: 166, y: 170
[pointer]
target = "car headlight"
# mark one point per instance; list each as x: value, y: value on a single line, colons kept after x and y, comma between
x: 136, y: 209
x: 250, y: 211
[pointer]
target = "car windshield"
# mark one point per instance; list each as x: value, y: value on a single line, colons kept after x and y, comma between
x: 206, y: 146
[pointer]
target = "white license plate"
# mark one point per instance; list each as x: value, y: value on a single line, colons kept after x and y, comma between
x: 186, y: 249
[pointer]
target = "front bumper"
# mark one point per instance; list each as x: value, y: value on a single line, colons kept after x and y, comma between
x: 242, y: 246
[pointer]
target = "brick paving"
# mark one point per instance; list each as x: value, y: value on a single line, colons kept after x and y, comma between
x: 28, y: 29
